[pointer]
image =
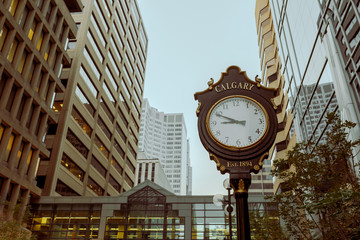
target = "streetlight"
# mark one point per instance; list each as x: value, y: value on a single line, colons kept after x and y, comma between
x: 227, y: 186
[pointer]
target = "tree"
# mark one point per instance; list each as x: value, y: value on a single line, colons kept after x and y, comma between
x: 13, y: 228
x: 265, y: 225
x: 320, y: 196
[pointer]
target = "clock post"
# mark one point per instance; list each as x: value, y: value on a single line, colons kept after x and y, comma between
x: 237, y: 125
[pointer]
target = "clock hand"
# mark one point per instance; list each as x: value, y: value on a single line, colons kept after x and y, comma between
x: 236, y: 122
x: 231, y: 120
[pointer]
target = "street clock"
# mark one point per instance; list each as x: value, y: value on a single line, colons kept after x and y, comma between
x: 237, y: 121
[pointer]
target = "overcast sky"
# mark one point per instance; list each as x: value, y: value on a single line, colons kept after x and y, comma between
x: 191, y: 41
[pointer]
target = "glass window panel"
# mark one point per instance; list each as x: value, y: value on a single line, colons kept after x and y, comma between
x: 102, y: 19
x: 92, y: 64
x: 94, y: 45
x: 95, y: 187
x: 88, y: 81
x: 3, y: 33
x: 101, y: 147
x: 81, y: 121
x: 12, y: 50
x: 72, y: 167
x: 98, y: 31
x: 98, y: 166
x: 13, y: 6
x: 85, y: 101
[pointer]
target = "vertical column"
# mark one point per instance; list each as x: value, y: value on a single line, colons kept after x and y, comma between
x: 240, y: 182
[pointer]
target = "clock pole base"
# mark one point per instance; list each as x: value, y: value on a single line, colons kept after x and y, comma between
x: 241, y: 183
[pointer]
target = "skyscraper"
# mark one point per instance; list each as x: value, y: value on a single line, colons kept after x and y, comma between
x: 163, y: 136
x: 94, y: 145
x: 299, y: 43
x: 71, y: 87
x: 34, y: 37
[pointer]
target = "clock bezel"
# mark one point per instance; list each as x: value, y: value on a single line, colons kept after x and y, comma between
x: 234, y: 148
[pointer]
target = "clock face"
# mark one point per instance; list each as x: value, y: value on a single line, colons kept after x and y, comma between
x: 237, y: 122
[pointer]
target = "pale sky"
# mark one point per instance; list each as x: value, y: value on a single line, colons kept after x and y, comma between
x: 191, y: 41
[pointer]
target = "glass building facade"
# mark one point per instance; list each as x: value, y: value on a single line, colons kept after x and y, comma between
x: 308, y: 51
x: 147, y: 211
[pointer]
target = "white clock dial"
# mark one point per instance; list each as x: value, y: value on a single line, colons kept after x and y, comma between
x: 237, y: 122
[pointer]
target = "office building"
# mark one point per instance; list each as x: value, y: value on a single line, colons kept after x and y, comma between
x: 34, y: 37
x: 163, y: 136
x: 94, y: 145
x: 72, y: 79
x: 299, y: 42
x: 145, y: 212
x: 151, y: 169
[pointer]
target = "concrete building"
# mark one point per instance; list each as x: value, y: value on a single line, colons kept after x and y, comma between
x: 71, y: 87
x: 299, y: 46
x: 151, y: 169
x: 34, y: 38
x: 94, y: 145
x: 145, y: 212
x: 163, y: 136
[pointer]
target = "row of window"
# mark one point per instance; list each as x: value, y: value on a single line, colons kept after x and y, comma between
x: 17, y: 152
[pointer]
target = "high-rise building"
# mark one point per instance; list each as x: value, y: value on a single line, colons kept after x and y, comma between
x: 94, y: 144
x: 299, y: 44
x: 163, y: 136
x: 34, y: 38
x: 71, y: 87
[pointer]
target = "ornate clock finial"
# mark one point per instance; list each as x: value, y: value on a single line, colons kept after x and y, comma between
x: 258, y: 80
x: 210, y: 83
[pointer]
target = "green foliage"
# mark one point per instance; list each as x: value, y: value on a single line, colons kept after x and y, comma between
x: 265, y: 225
x: 14, y: 228
x: 320, y: 196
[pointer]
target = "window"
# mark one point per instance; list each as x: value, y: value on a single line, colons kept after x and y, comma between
x: 13, y: 47
x: 108, y: 93
x: 21, y: 107
x: 121, y: 132
x: 13, y: 6
x: 95, y: 187
x: 20, y: 67
x: 88, y: 81
x: 128, y: 180
x: 92, y: 63
x: 71, y: 137
x: 9, y: 146
x: 72, y: 167
x: 64, y: 190
x: 130, y: 165
x: 28, y: 160
x: 101, y: 146
x: 117, y: 166
x: 85, y: 101
x: 115, y: 184
x: 11, y: 98
x: 103, y: 127
x: 98, y: 166
x: 40, y: 41
x: 119, y: 149
x: 106, y: 109
x: 32, y: 29
x: 3, y: 33
x: 81, y: 121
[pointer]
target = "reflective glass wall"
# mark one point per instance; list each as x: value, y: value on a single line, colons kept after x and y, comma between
x: 307, y: 71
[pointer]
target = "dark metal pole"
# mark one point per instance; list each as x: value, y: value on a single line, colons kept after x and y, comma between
x: 230, y: 212
x: 241, y: 184
x: 242, y: 212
